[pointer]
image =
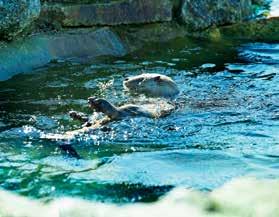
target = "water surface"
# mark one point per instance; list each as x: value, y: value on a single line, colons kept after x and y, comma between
x: 226, y: 125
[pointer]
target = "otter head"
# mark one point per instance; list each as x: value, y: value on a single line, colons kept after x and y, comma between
x: 73, y: 114
x: 102, y: 105
x: 152, y: 84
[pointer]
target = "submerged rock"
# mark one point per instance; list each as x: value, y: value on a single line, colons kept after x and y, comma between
x: 17, y: 15
x: 198, y: 15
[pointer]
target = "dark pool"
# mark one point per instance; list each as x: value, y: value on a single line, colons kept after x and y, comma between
x: 227, y: 124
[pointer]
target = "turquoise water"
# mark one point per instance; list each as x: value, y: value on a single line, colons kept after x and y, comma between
x: 226, y: 126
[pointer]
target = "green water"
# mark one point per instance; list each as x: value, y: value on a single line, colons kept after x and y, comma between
x: 227, y: 124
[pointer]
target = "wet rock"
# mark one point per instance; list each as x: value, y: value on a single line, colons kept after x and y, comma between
x: 135, y: 37
x: 266, y: 30
x: 16, y: 16
x: 111, y: 13
x: 79, y: 45
x: 198, y: 15
x: 260, y: 2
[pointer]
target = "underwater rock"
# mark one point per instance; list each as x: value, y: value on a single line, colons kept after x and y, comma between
x: 17, y: 15
x: 111, y: 13
x: 199, y: 15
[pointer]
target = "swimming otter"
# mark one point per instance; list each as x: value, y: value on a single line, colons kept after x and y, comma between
x: 154, y: 110
x: 112, y: 113
x: 116, y: 113
x: 152, y: 84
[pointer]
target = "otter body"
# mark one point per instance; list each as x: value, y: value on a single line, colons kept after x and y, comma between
x: 152, y: 84
x: 114, y: 113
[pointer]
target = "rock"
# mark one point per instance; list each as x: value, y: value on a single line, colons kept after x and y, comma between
x: 266, y: 30
x: 260, y: 2
x: 112, y: 13
x: 79, y: 45
x: 17, y: 15
x: 198, y: 15
x: 136, y: 38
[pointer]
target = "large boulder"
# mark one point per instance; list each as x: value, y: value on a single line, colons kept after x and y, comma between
x: 201, y: 14
x: 109, y: 12
x: 17, y: 15
x: 25, y: 55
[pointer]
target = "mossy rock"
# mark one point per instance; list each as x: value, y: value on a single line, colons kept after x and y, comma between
x: 200, y: 15
x: 266, y: 30
x: 16, y: 16
x: 110, y: 13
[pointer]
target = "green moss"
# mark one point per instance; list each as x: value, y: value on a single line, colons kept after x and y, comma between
x: 262, y: 30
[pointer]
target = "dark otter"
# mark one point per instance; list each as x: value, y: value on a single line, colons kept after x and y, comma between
x: 115, y: 113
x: 152, y: 84
x: 112, y: 112
x: 153, y: 110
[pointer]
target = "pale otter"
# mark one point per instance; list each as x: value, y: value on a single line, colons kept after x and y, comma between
x: 115, y: 113
x: 151, y: 84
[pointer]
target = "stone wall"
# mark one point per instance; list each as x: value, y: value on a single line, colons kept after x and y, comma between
x: 191, y: 13
x: 194, y: 15
x: 62, y: 27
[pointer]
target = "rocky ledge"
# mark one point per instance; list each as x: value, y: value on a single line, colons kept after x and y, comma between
x: 195, y: 16
x: 110, y: 13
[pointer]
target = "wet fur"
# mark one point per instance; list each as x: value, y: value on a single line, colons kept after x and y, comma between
x: 151, y: 84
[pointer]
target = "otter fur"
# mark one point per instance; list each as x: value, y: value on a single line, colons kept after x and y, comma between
x: 152, y: 84
x: 113, y: 113
x: 116, y: 113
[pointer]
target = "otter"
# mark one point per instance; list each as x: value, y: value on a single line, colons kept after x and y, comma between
x: 112, y: 113
x: 116, y: 113
x: 152, y: 84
